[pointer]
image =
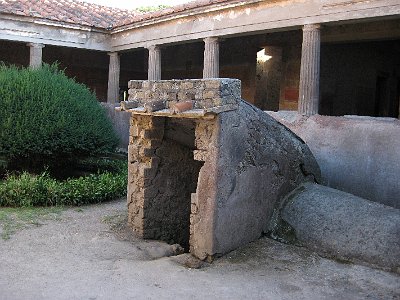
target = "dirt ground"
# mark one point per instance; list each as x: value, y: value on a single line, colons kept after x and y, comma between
x: 86, y: 254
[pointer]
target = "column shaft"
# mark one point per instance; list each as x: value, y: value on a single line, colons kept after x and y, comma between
x: 113, y: 78
x: 211, y: 58
x: 309, y: 71
x: 154, y: 71
x: 35, y: 55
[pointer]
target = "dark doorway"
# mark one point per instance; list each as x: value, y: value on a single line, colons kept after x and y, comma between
x: 381, y: 95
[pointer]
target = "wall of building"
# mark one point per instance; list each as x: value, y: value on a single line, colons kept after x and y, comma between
x: 86, y: 66
x: 182, y: 61
x: 268, y: 78
x: 277, y: 80
x: 133, y: 66
x: 238, y: 59
x: 358, y: 155
x: 14, y: 53
x: 350, y: 75
x: 289, y: 94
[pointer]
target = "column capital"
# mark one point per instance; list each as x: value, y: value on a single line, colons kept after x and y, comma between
x: 35, y: 45
x: 311, y: 27
x: 154, y: 48
x: 113, y: 53
x: 211, y: 39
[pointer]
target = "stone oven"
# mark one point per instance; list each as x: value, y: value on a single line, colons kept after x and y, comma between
x: 207, y: 169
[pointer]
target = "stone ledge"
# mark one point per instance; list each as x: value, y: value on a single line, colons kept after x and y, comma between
x: 190, y: 114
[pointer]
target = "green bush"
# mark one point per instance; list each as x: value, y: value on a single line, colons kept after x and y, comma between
x: 146, y: 9
x: 48, y: 119
x: 42, y: 190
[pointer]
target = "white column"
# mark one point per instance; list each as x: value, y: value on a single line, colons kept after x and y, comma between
x: 211, y: 58
x: 35, y: 55
x: 113, y: 78
x: 309, y: 71
x: 154, y: 71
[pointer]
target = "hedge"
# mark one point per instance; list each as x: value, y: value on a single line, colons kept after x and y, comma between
x: 41, y: 190
x: 49, y: 120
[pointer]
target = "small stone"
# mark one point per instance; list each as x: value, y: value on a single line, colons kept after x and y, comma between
x: 189, y: 261
x: 187, y: 85
x: 125, y: 105
x: 172, y: 96
x: 210, y: 94
x: 135, y: 84
x: 212, y: 84
x: 146, y: 85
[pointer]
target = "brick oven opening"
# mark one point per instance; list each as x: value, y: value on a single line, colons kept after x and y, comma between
x: 175, y: 180
x: 165, y: 174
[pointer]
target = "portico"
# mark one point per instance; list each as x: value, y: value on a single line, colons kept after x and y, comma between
x: 222, y: 40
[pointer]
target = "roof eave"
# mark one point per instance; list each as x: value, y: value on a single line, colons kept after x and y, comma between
x: 182, y: 14
x: 53, y: 23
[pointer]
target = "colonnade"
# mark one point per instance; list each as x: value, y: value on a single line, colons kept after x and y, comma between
x: 309, y: 72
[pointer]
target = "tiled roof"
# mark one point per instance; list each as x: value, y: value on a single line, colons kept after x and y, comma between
x: 89, y: 14
x: 69, y: 11
x: 169, y: 11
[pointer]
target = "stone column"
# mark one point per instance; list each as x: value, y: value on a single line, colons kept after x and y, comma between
x: 309, y: 71
x: 113, y: 78
x: 211, y: 58
x: 35, y: 55
x: 154, y: 71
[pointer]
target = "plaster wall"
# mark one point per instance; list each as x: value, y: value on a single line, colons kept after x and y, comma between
x: 14, y: 53
x: 86, y: 66
x: 350, y: 74
x: 268, y: 79
x: 133, y: 66
x: 358, y: 155
x: 289, y: 92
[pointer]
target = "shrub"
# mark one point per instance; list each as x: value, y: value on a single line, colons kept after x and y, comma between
x: 146, y: 9
x: 42, y: 190
x: 48, y: 119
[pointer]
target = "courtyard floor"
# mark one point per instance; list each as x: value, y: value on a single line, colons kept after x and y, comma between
x: 87, y: 253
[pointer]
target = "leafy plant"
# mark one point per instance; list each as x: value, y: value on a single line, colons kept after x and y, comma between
x: 48, y: 119
x: 145, y: 9
x: 27, y: 190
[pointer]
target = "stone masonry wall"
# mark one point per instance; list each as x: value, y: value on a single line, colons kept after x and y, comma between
x: 204, y: 93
